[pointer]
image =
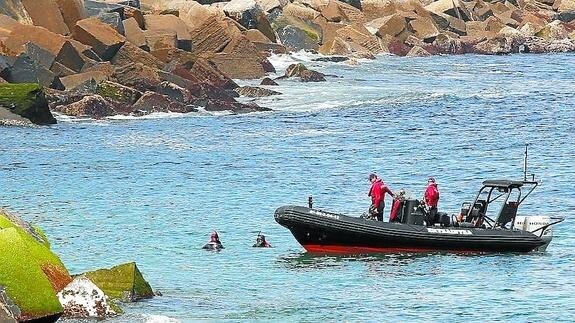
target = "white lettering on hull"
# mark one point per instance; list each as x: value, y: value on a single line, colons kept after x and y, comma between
x: 450, y: 231
x: 324, y: 214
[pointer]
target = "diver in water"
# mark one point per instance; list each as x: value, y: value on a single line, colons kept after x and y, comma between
x: 214, y: 243
x: 261, y: 242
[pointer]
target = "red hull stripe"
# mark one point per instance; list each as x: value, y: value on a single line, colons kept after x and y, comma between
x: 316, y: 248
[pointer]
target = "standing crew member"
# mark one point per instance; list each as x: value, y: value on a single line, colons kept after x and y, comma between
x: 431, y: 199
x: 377, y: 193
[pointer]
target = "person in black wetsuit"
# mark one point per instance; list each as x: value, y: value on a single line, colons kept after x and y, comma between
x: 214, y: 243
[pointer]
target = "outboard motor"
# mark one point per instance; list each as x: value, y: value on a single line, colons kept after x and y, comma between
x: 532, y: 223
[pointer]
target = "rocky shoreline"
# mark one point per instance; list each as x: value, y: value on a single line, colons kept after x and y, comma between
x: 35, y: 285
x: 100, y: 58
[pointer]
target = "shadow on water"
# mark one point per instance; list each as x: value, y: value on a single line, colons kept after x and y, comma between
x: 311, y: 261
x: 305, y: 260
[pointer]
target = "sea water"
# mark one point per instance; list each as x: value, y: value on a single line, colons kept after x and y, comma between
x: 151, y: 190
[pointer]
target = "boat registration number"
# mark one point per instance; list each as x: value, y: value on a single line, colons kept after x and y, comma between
x: 449, y: 231
x: 324, y: 214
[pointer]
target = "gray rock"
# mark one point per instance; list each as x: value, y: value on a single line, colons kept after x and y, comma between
x: 28, y: 101
x: 295, y: 39
x: 268, y: 81
x: 113, y: 19
x: 70, y: 58
x: 39, y: 55
x: 25, y: 70
x: 93, y: 106
x: 255, y: 92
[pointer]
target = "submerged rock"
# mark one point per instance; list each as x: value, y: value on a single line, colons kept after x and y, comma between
x: 123, y: 282
x: 26, y: 100
x: 255, y: 92
x: 305, y: 74
x: 268, y: 81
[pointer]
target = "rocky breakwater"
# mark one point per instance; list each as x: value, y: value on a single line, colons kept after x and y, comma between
x: 105, y: 57
x: 35, y: 286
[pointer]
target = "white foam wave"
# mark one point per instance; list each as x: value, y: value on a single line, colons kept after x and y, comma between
x: 151, y: 318
x: 155, y: 115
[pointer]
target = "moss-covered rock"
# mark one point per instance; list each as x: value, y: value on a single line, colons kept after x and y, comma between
x: 26, y: 100
x: 117, y: 92
x: 124, y: 282
x: 30, y: 273
x: 22, y: 276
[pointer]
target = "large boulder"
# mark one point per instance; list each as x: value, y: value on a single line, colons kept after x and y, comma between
x: 204, y: 71
x: 30, y: 273
x: 417, y: 51
x: 46, y: 13
x: 454, y: 8
x: 130, y: 53
x: 76, y: 80
x: 117, y: 93
x: 124, y: 282
x: 15, y: 9
x: 173, y: 24
x: 246, y: 12
x: 92, y: 106
x: 103, y: 39
x: 28, y: 101
x: 241, y: 60
x: 159, y: 40
x: 138, y: 76
x: 495, y: 46
x: 72, y: 11
x: 152, y: 102
x: 113, y: 19
x: 210, y: 36
x: 52, y: 42
x: 134, y: 33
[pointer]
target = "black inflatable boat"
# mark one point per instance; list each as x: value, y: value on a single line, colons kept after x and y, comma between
x: 479, y: 229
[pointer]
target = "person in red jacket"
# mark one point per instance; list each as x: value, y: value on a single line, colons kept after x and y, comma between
x: 377, y: 193
x: 431, y: 199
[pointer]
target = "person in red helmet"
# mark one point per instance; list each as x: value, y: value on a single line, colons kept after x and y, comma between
x: 214, y: 243
x: 430, y: 200
x: 377, y: 193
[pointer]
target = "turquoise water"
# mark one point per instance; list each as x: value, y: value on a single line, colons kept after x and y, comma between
x: 151, y: 190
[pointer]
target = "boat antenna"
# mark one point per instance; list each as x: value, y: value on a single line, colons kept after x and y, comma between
x: 310, y: 202
x: 525, y: 164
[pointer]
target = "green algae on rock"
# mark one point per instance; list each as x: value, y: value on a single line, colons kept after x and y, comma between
x: 124, y: 282
x: 30, y: 273
x: 26, y: 100
x: 25, y: 282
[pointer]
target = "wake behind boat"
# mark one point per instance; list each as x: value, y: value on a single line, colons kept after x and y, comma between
x: 489, y: 224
